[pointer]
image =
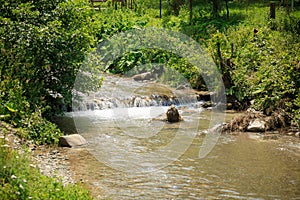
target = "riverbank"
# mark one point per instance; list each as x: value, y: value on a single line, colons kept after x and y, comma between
x: 278, y: 123
x: 29, y: 171
x: 48, y: 160
x: 60, y: 164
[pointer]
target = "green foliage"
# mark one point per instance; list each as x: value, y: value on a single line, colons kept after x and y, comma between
x: 271, y: 67
x: 110, y: 22
x: 296, y: 109
x: 203, y: 24
x: 15, y: 109
x: 265, y: 63
x: 40, y: 130
x: 42, y: 46
x: 144, y: 60
x: 14, y: 106
x: 174, y: 6
x: 285, y: 23
x: 20, y: 181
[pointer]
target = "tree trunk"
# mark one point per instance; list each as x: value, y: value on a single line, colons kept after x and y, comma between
x: 215, y: 11
x: 225, y: 67
x: 227, y: 9
x: 272, y: 10
x: 191, y: 11
x: 174, y: 6
x: 160, y: 8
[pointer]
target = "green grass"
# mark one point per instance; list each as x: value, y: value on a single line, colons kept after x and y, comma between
x: 20, y: 181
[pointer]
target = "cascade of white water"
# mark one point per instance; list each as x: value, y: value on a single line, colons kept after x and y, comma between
x: 120, y: 92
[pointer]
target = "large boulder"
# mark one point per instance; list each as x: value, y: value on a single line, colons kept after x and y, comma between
x: 173, y: 114
x: 73, y: 140
x: 257, y: 125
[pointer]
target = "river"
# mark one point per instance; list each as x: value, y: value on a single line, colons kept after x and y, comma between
x: 118, y: 162
x: 238, y: 167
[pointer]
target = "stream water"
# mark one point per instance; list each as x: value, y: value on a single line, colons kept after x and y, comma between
x: 115, y: 166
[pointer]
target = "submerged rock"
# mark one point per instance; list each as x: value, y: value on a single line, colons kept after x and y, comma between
x: 270, y: 137
x: 72, y: 140
x: 173, y: 114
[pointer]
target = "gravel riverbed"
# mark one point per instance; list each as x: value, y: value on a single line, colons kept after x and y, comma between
x: 50, y: 161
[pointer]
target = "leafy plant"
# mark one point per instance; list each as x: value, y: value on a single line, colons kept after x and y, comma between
x: 40, y: 130
x: 42, y: 48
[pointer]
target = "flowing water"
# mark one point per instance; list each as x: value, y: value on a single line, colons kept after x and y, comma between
x: 115, y: 163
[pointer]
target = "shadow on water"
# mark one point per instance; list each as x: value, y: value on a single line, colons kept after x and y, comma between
x: 66, y: 124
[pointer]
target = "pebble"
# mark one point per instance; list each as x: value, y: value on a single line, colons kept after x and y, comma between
x: 54, y: 164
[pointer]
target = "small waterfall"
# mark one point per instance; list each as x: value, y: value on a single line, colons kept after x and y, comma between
x: 133, y: 101
x: 124, y: 92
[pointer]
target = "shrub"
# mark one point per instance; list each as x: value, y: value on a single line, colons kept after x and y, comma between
x: 40, y: 130
x: 264, y: 64
x: 42, y: 45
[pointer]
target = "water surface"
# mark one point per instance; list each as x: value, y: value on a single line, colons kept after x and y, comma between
x: 238, y: 167
x: 121, y: 139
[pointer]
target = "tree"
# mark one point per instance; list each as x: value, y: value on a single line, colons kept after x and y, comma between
x: 43, y: 44
x: 160, y: 8
x: 191, y: 10
x: 227, y: 9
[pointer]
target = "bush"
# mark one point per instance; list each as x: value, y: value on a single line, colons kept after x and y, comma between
x: 265, y: 64
x: 42, y: 47
x: 40, y: 130
x: 14, y: 106
x: 296, y: 110
x: 285, y: 23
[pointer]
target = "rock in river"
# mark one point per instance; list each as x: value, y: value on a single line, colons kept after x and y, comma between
x: 72, y: 140
x: 173, y: 114
x: 257, y: 125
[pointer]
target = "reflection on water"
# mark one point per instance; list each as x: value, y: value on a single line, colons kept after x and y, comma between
x: 237, y: 168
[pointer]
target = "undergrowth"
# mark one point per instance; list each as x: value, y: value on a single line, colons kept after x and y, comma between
x: 20, y: 181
